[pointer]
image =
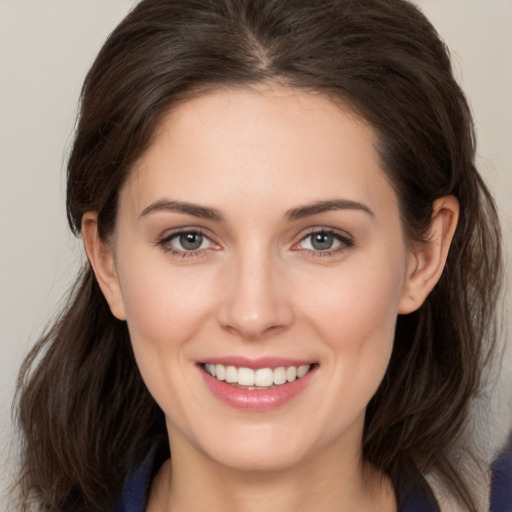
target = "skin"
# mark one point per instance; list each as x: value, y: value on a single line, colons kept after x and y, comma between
x: 258, y: 287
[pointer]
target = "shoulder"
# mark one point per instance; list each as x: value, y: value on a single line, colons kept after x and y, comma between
x: 138, y: 481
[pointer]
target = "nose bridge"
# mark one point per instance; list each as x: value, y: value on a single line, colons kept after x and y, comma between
x: 256, y: 302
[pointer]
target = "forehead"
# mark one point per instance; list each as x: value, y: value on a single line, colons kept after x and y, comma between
x: 276, y: 142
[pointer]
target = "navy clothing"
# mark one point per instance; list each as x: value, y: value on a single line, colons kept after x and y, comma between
x: 137, y: 484
x: 501, y: 484
x: 414, y: 495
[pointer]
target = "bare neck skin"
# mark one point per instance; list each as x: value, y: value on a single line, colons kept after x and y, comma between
x: 333, y: 479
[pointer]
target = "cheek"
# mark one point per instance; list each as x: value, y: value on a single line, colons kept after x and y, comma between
x: 355, y: 311
x: 362, y: 336
x: 360, y: 299
x: 361, y: 340
x: 165, y: 311
x: 164, y: 304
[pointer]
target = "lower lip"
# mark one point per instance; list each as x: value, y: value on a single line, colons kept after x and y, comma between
x: 256, y: 399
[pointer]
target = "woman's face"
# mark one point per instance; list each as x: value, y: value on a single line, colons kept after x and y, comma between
x: 259, y: 231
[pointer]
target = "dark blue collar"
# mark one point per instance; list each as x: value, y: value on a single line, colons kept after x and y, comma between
x: 138, y: 482
x: 413, y: 493
x: 501, y: 484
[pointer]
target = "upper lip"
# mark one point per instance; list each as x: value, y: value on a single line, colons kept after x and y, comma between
x: 261, y: 362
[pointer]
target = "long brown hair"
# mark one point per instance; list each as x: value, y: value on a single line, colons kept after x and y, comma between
x: 83, y: 409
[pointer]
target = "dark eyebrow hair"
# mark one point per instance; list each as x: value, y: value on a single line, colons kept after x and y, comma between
x: 188, y: 208
x: 325, y: 206
x: 293, y: 214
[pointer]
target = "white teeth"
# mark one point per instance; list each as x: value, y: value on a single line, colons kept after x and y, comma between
x: 231, y: 374
x: 220, y: 372
x: 264, y: 377
x: 302, y: 370
x: 279, y: 375
x: 291, y: 373
x: 260, y: 378
x: 245, y: 376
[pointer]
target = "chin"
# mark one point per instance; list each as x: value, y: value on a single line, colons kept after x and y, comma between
x: 272, y: 448
x: 255, y: 460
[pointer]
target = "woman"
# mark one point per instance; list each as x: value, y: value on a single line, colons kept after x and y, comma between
x: 292, y: 272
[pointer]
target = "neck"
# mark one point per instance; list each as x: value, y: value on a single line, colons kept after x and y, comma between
x: 333, y: 480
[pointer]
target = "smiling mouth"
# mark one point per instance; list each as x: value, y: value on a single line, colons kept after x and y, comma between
x: 261, y: 378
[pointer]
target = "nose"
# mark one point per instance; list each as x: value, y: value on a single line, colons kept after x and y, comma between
x: 256, y: 301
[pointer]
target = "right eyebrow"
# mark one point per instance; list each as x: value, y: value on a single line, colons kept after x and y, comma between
x: 189, y: 208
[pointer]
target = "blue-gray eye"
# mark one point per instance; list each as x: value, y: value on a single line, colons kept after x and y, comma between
x: 190, y: 241
x: 322, y: 241
x: 187, y: 243
x: 325, y: 241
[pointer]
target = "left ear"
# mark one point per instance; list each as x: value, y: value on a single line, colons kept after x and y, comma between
x: 427, y: 258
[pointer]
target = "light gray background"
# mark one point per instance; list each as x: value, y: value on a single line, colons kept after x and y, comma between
x: 46, y: 48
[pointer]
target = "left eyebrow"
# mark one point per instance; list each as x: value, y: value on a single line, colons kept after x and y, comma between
x: 325, y: 206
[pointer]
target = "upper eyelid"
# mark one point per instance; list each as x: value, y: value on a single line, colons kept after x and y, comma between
x: 169, y: 235
x: 340, y: 233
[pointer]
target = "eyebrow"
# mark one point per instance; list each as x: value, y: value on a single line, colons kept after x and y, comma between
x: 325, y: 206
x: 181, y: 207
x: 293, y: 214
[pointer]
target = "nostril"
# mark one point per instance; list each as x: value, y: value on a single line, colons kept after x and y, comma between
x: 255, y: 326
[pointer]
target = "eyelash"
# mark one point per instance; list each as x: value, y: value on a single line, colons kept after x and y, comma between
x: 345, y: 243
x: 164, y: 243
